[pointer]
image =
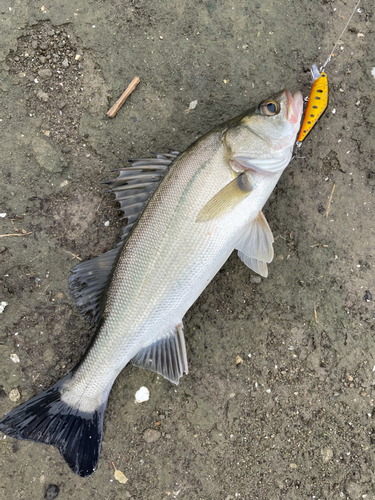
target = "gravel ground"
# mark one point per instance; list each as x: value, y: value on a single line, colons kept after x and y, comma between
x: 279, y: 401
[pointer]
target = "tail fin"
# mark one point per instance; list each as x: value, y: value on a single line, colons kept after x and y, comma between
x: 47, y: 419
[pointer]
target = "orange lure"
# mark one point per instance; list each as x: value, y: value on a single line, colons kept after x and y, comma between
x: 317, y: 104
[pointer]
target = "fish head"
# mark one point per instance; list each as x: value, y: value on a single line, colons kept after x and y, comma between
x: 262, y: 138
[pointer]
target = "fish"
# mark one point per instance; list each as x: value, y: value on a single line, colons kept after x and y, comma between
x: 185, y: 214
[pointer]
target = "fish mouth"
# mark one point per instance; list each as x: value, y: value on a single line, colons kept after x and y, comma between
x: 295, y: 107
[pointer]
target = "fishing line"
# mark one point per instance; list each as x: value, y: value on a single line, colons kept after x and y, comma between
x: 318, y: 99
x: 338, y: 40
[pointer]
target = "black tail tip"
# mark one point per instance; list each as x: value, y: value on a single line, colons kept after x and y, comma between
x: 46, y: 419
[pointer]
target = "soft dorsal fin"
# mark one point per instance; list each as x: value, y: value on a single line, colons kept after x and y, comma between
x: 133, y: 187
x: 166, y: 356
x: 255, y: 245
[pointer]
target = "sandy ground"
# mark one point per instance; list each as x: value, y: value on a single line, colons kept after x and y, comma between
x: 295, y: 419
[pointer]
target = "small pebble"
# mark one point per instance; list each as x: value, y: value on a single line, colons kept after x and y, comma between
x: 327, y: 454
x: 65, y: 63
x: 106, y: 223
x: 42, y: 96
x: 14, y: 358
x: 45, y: 73
x: 193, y: 104
x: 367, y: 296
x: 3, y: 306
x: 142, y: 395
x: 151, y: 435
x: 354, y: 491
x: 120, y: 477
x: 14, y: 395
x: 52, y: 492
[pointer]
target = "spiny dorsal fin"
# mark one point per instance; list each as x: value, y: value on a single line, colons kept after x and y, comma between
x: 134, y: 184
x: 133, y: 187
x: 255, y: 245
x: 166, y: 356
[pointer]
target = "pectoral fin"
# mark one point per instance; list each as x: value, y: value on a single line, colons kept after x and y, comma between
x: 255, y: 265
x: 255, y: 245
x: 227, y: 198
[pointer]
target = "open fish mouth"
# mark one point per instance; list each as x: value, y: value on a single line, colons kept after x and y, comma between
x: 295, y: 106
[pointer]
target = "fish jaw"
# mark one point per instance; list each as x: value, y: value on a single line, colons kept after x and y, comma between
x: 295, y: 107
x: 292, y: 118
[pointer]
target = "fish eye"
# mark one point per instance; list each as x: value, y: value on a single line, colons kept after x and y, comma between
x: 269, y: 108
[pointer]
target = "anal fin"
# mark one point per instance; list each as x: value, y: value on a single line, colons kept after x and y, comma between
x: 166, y: 356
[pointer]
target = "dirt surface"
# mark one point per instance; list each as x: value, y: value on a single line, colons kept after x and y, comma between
x: 294, y: 417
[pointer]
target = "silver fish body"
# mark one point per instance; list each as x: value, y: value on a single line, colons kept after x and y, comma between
x: 208, y: 203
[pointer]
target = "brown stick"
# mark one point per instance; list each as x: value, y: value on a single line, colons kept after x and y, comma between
x: 330, y: 201
x: 113, y: 111
x: 73, y: 254
x: 14, y: 234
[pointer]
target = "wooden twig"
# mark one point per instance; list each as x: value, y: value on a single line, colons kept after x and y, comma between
x: 113, y: 111
x: 330, y: 201
x: 73, y: 254
x: 316, y: 315
x: 14, y: 234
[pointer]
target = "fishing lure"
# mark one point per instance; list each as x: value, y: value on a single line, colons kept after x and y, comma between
x: 318, y: 99
x: 317, y: 103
